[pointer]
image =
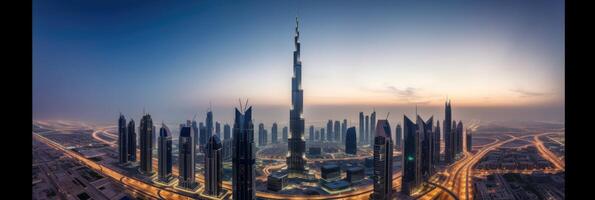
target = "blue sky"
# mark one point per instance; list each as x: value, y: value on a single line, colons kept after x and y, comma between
x: 93, y: 59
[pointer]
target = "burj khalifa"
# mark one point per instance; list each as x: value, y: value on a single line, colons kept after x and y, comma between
x: 296, y: 144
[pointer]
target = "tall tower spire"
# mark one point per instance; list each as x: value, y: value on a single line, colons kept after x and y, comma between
x: 296, y: 144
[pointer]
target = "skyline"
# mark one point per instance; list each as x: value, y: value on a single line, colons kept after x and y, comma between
x: 509, y: 55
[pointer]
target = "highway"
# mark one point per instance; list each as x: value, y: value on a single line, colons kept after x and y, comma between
x: 547, y: 154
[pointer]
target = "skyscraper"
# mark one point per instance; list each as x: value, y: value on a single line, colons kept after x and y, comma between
x: 186, y: 162
x: 329, y: 131
x: 164, y: 156
x: 261, y: 136
x: 131, y: 132
x: 146, y: 144
x: 436, y: 148
x: 243, y: 157
x: 322, y: 134
x: 196, y: 132
x: 202, y: 136
x: 317, y: 135
x: 296, y: 145
x: 274, y: 134
x: 218, y: 129
x: 213, y: 167
x: 285, y: 134
x: 226, y: 132
x: 449, y: 148
x: 311, y: 137
x: 209, y: 128
x: 424, y: 130
x: 373, y: 122
x: 469, y: 140
x: 383, y: 165
x: 361, y: 128
x: 351, y: 142
x: 344, y: 130
x: 337, y: 131
x: 460, y: 137
x: 412, y: 178
x: 367, y: 129
x: 122, y: 140
x: 398, y: 138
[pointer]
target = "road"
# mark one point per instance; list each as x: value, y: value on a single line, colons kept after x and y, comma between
x: 547, y: 154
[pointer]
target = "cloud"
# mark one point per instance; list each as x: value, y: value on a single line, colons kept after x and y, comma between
x: 408, y: 94
x: 526, y: 93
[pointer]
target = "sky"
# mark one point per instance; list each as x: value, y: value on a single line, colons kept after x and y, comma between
x: 495, y: 60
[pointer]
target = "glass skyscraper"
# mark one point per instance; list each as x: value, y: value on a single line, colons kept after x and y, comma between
x: 296, y: 144
x: 243, y: 157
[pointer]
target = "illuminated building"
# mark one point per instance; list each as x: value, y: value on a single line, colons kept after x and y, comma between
x: 243, y: 157
x: 146, y: 144
x: 383, y: 164
x: 122, y: 140
x: 213, y: 167
x: 164, y: 156
x: 296, y: 145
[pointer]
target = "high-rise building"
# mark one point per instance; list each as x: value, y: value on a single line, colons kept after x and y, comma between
x: 213, y: 167
x: 361, y: 128
x: 261, y: 136
x: 243, y: 156
x: 209, y: 127
x: 227, y: 150
x: 285, y: 134
x: 373, y: 122
x: 317, y: 135
x: 311, y: 136
x: 344, y: 130
x: 436, y: 149
x: 322, y: 134
x: 329, y: 131
x: 455, y: 137
x: 226, y: 132
x: 296, y: 145
x: 383, y: 164
x: 131, y: 132
x: 351, y: 142
x: 449, y: 148
x: 146, y: 144
x: 411, y: 179
x: 367, y: 129
x: 469, y: 140
x: 337, y: 131
x: 398, y: 138
x: 196, y: 132
x: 122, y: 140
x: 164, y: 156
x: 218, y: 129
x: 460, y: 137
x: 274, y: 134
x: 202, y: 138
x: 424, y: 130
x: 186, y: 162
